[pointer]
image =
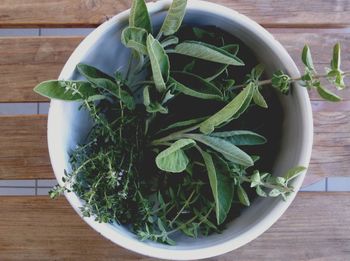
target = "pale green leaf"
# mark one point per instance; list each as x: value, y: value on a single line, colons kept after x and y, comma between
x: 171, y: 40
x: 154, y: 107
x: 207, y: 52
x: 240, y: 137
x: 232, y: 110
x: 242, y: 196
x: 139, y: 16
x: 174, y: 17
x: 66, y: 90
x: 227, y: 149
x: 135, y: 38
x: 260, y: 192
x: 159, y: 63
x: 185, y: 123
x: 173, y: 159
x: 274, y: 193
x: 221, y: 186
x: 195, y: 86
x: 259, y: 99
x: 146, y: 96
x: 294, y: 172
x: 255, y: 179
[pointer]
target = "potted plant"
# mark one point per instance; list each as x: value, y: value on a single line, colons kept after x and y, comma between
x: 182, y: 130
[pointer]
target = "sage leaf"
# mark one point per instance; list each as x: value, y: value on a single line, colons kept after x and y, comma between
x: 307, y: 59
x: 173, y: 159
x: 66, y: 90
x: 232, y: 110
x: 185, y: 123
x: 154, y: 107
x: 221, y: 186
x: 159, y: 63
x: 107, y: 83
x: 217, y: 74
x: 135, y: 38
x: 259, y: 99
x: 207, y: 52
x: 139, y: 16
x: 146, y: 96
x: 240, y: 137
x: 171, y: 40
x: 174, y: 17
x: 195, y: 86
x: 231, y: 48
x: 242, y: 196
x: 231, y: 152
x: 294, y: 172
x: 326, y: 94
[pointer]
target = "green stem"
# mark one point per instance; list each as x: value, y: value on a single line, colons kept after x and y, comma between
x: 186, y: 204
x: 175, y: 135
x: 267, y: 185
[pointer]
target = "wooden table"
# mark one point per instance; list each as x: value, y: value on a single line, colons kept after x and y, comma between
x: 315, y: 227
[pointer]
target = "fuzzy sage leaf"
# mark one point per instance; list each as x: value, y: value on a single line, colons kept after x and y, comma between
x: 221, y: 186
x: 135, y: 38
x: 232, y: 110
x: 207, y: 52
x: 173, y: 159
x: 139, y: 16
x: 174, y: 17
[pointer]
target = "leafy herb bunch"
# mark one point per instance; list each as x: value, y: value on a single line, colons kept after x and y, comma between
x: 144, y: 166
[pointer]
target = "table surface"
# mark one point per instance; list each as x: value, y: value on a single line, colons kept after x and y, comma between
x: 34, y: 45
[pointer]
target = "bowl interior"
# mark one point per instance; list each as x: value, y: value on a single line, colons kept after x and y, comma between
x: 68, y: 125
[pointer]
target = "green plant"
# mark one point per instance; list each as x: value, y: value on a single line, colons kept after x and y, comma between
x: 191, y: 175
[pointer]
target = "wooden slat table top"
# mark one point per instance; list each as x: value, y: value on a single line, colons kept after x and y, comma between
x: 85, y: 13
x: 36, y: 228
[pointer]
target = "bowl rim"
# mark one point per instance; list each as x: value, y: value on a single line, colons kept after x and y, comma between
x: 262, y: 225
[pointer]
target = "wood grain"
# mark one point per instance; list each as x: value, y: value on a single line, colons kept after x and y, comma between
x: 78, y: 13
x: 24, y: 153
x: 26, y: 61
x: 37, y: 228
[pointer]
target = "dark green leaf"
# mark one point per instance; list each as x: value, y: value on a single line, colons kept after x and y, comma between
x: 221, y: 186
x: 139, y: 16
x: 220, y: 71
x: 174, y: 17
x: 226, y: 148
x: 200, y: 33
x: 307, y: 59
x: 242, y: 196
x: 173, y: 159
x: 159, y: 63
x: 326, y: 94
x: 231, y: 48
x: 207, y: 52
x: 106, y: 82
x: 193, y: 85
x: 66, y: 90
x: 135, y: 38
x: 240, y: 137
x: 232, y: 110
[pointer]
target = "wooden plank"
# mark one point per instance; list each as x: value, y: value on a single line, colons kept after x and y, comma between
x: 24, y: 153
x: 37, y: 228
x: 26, y: 61
x: 75, y: 13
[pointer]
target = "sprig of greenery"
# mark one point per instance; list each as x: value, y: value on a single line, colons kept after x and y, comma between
x: 189, y: 175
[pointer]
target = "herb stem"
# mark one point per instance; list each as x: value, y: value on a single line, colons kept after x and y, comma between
x: 186, y: 204
x: 267, y: 185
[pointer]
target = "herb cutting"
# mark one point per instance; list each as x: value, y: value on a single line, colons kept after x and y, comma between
x: 174, y: 147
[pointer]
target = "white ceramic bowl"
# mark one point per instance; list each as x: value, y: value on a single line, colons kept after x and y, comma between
x: 102, y: 48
